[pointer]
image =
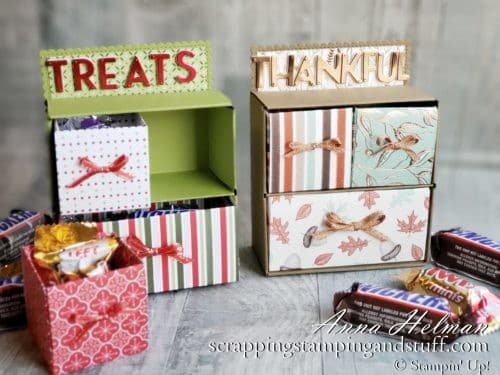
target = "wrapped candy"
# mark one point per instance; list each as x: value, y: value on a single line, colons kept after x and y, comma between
x: 12, y: 308
x: 474, y: 304
x: 73, y: 250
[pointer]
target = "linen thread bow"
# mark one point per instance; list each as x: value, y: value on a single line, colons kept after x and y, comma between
x: 88, y: 321
x: 402, y: 143
x: 334, y: 223
x: 328, y: 144
x: 174, y: 250
x: 92, y: 169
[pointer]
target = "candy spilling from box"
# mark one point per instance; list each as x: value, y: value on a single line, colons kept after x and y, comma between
x: 342, y: 176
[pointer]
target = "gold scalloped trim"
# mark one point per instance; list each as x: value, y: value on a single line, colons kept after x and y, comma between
x: 47, y: 53
x: 303, y: 46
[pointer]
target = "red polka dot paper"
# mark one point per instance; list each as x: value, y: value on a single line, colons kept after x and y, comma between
x: 127, y: 189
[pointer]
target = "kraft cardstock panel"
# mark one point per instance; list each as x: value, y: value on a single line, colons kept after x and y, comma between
x: 394, y: 146
x: 102, y: 191
x: 313, y: 169
x: 398, y: 234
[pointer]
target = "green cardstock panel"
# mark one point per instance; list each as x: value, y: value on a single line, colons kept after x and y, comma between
x: 109, y: 105
x: 191, y: 153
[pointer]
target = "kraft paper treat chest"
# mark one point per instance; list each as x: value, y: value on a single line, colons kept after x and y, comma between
x: 137, y: 131
x: 343, y: 155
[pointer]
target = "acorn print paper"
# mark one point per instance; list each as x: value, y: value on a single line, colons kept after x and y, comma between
x: 347, y: 228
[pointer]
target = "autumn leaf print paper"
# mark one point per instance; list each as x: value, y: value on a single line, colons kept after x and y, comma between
x: 347, y: 228
x: 394, y: 146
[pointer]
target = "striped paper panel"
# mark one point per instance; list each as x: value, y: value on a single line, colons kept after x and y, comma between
x: 207, y: 236
x: 310, y: 170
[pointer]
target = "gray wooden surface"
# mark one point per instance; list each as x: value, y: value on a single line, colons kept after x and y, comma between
x: 456, y: 52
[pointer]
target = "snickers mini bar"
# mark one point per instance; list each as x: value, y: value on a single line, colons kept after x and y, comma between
x: 468, y: 253
x: 16, y: 231
x: 398, y: 312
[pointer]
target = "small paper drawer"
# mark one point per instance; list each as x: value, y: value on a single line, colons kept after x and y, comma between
x: 347, y: 228
x: 88, y: 321
x: 309, y: 150
x: 183, y: 244
x: 102, y: 168
x: 394, y: 146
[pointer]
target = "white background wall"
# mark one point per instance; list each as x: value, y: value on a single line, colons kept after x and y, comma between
x: 455, y: 56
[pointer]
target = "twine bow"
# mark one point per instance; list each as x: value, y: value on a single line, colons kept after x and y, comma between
x: 334, y: 224
x: 402, y: 143
x: 88, y: 321
x: 174, y: 251
x: 328, y: 144
x: 92, y: 169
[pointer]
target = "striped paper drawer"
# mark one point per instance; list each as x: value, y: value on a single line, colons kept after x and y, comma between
x: 309, y: 150
x: 207, y: 238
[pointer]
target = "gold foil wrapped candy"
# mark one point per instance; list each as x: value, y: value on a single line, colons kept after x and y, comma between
x: 73, y: 250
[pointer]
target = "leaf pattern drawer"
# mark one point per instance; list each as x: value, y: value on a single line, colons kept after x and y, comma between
x: 102, y: 168
x: 347, y: 228
x: 309, y: 150
x: 394, y: 146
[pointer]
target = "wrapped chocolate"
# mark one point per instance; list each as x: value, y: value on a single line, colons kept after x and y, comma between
x: 474, y: 304
x: 73, y: 250
x: 468, y: 253
x: 16, y: 231
x: 12, y: 307
x: 398, y: 312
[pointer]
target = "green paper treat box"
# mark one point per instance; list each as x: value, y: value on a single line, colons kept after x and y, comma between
x: 134, y: 127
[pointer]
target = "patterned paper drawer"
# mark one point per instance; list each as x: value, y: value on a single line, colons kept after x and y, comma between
x: 102, y: 168
x: 88, y: 321
x: 308, y: 231
x: 309, y: 150
x: 187, y: 249
x: 394, y: 146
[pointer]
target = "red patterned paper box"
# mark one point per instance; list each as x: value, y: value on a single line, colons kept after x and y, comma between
x: 89, y: 321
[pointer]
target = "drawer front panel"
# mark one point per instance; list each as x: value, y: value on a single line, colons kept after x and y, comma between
x: 394, y: 146
x: 309, y: 150
x: 355, y: 228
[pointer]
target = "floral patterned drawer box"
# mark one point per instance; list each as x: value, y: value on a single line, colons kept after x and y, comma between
x: 309, y: 150
x: 347, y: 228
x: 394, y: 146
x: 102, y: 163
x: 91, y: 320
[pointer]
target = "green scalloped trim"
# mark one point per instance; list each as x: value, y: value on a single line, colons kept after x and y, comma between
x: 124, y: 53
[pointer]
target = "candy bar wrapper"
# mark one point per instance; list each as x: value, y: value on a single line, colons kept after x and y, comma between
x: 394, y: 146
x: 469, y: 253
x: 12, y: 307
x: 90, y: 320
x: 309, y: 150
x: 474, y: 304
x: 16, y: 231
x: 387, y: 307
x: 187, y: 249
x: 311, y: 231
x: 103, y: 169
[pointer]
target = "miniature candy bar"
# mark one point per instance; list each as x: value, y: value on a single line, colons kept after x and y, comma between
x: 390, y: 308
x: 16, y: 231
x: 475, y: 304
x: 469, y: 253
x: 72, y: 250
x: 12, y: 310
